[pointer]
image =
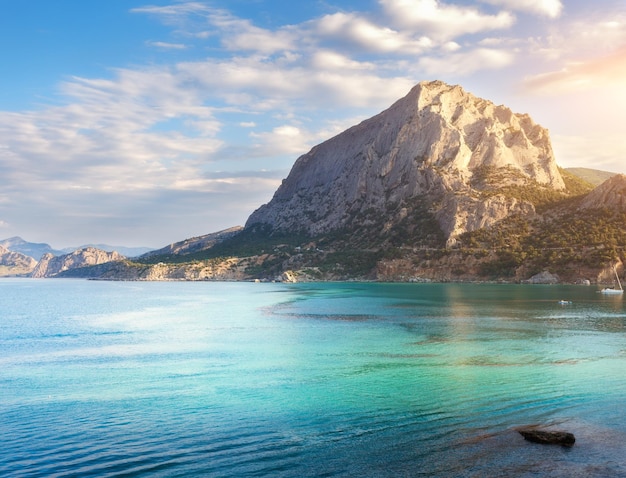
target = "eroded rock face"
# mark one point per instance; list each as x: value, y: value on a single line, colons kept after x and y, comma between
x: 464, y: 213
x: 431, y: 144
x: 50, y: 265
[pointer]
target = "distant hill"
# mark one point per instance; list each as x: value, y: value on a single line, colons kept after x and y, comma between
x: 592, y: 176
x: 194, y: 244
x: 31, y: 249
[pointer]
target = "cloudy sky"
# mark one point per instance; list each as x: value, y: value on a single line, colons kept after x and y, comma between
x: 141, y: 123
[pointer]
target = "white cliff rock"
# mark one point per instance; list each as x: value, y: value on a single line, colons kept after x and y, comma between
x: 429, y: 144
x: 50, y: 265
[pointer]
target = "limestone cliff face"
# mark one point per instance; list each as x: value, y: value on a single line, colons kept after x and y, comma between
x: 611, y: 193
x: 15, y: 263
x: 50, y: 265
x: 431, y: 144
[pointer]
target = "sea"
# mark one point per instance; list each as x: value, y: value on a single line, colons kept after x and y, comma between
x: 241, y: 379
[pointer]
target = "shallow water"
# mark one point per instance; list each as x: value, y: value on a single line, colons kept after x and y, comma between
x: 342, y: 379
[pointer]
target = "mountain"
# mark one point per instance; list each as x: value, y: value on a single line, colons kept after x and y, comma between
x: 440, y: 186
x: 15, y: 263
x: 32, y: 249
x: 439, y: 147
x: 54, y: 266
x: 123, y: 250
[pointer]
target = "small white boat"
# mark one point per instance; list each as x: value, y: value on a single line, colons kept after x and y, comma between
x: 612, y: 290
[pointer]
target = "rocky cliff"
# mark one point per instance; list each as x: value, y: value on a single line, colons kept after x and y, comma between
x: 51, y: 266
x: 15, y: 263
x: 439, y: 146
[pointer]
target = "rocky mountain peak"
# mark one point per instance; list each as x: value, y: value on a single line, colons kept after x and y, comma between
x: 433, y: 145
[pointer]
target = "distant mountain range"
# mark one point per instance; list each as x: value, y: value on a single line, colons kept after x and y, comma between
x: 442, y: 186
x: 38, y: 249
x: 31, y: 249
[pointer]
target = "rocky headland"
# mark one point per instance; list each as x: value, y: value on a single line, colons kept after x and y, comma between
x: 441, y: 186
x: 52, y: 266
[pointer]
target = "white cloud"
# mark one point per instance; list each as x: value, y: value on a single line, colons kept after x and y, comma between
x: 241, y: 35
x: 442, y: 21
x: 166, y: 45
x: 284, y: 139
x: 261, y: 85
x: 331, y: 60
x: 582, y: 38
x: 606, y: 71
x: 353, y: 30
x: 465, y: 63
x: 548, y: 8
x: 180, y: 11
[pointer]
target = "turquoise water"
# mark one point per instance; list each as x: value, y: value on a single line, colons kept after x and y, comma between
x: 239, y: 379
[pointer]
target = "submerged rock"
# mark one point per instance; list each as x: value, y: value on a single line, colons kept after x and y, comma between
x: 548, y: 437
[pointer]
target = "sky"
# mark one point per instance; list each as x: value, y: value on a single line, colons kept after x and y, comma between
x: 142, y: 123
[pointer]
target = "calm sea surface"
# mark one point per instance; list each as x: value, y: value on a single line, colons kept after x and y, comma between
x: 112, y: 379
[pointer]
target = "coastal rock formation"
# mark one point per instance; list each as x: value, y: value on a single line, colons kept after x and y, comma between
x: 544, y: 277
x: 50, y: 265
x: 611, y: 194
x: 439, y: 146
x: 15, y: 263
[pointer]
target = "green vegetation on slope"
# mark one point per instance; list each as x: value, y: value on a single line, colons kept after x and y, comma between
x: 561, y: 243
x: 559, y: 238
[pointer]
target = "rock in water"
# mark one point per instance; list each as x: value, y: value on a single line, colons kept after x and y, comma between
x: 548, y: 437
x: 439, y: 146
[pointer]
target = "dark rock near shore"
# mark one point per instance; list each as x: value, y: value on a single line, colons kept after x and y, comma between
x: 548, y: 437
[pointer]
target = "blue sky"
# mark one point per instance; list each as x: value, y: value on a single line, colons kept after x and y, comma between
x: 148, y: 122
